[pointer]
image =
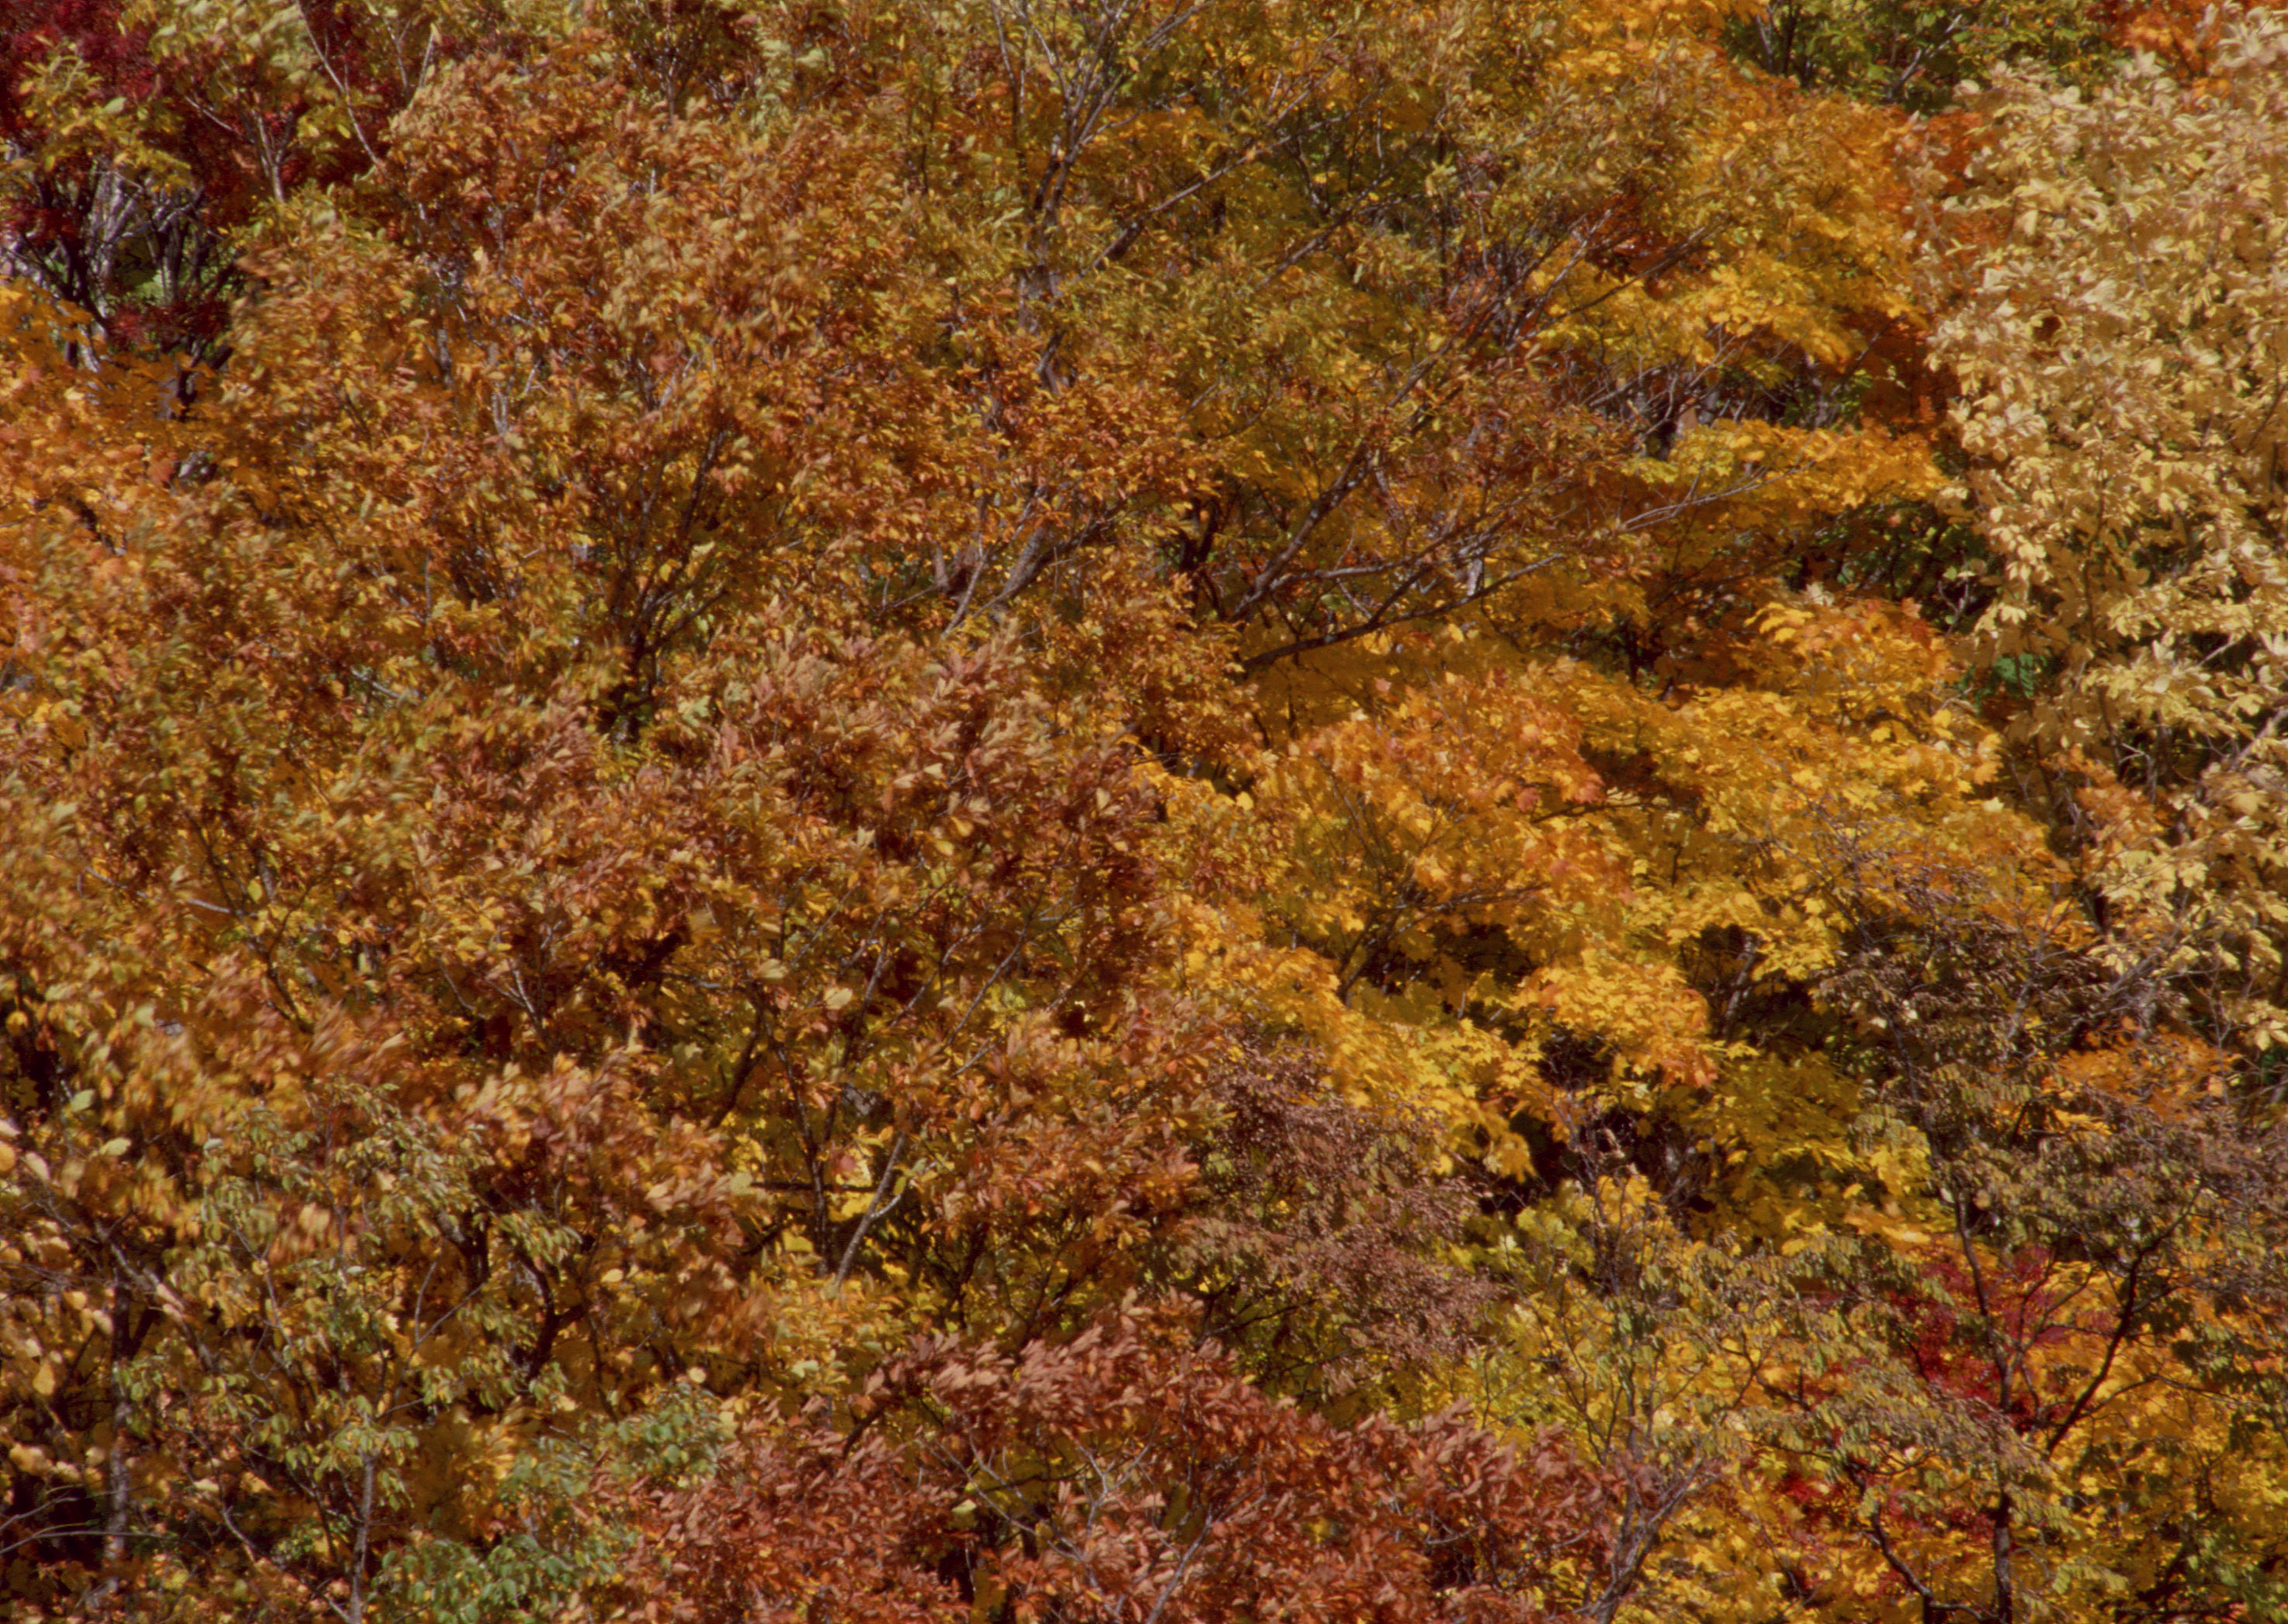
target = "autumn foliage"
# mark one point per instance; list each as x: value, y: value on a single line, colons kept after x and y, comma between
x: 1097, y: 810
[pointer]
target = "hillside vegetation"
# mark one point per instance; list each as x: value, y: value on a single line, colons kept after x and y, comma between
x: 1144, y: 811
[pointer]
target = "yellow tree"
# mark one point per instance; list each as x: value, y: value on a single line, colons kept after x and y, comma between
x: 2119, y: 322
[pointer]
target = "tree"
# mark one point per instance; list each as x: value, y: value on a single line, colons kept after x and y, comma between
x: 2118, y: 307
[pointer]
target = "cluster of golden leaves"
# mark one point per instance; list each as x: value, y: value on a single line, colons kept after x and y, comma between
x: 2118, y: 319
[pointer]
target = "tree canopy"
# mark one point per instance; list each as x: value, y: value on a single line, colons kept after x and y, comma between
x: 1144, y: 811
